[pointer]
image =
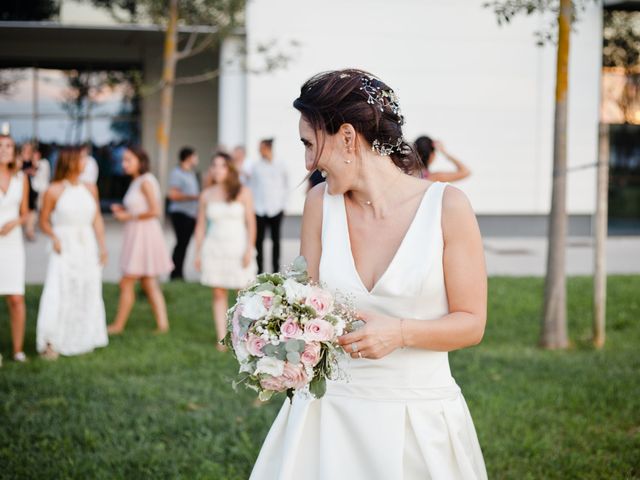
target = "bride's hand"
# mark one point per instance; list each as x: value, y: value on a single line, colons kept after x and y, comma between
x: 380, y: 336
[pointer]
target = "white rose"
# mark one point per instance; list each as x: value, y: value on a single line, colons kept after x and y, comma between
x: 241, y: 351
x: 295, y: 291
x: 253, y: 307
x: 270, y: 366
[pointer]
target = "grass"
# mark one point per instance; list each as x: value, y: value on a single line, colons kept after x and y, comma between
x: 162, y: 406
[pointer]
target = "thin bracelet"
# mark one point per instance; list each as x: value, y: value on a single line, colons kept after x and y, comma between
x: 404, y: 344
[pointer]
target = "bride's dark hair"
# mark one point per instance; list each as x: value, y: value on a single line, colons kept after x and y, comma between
x: 331, y: 99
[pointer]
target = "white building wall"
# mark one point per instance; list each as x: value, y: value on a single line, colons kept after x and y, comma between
x: 486, y: 91
x: 195, y: 107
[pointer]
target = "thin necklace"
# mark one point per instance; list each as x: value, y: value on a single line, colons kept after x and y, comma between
x: 370, y: 202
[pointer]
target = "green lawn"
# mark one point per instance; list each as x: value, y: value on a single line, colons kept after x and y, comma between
x: 162, y: 406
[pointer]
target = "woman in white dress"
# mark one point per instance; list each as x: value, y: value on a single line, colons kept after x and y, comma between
x: 71, y: 318
x: 14, y: 208
x: 399, y: 414
x: 225, y: 237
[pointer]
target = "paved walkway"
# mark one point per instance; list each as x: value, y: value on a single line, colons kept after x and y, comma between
x: 505, y: 256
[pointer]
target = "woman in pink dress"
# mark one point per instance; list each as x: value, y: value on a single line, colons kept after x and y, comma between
x: 144, y: 253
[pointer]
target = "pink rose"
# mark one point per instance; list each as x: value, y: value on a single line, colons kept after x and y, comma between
x: 254, y: 345
x: 272, y: 383
x: 320, y: 300
x: 318, y: 330
x: 291, y: 329
x: 294, y: 376
x: 311, y: 354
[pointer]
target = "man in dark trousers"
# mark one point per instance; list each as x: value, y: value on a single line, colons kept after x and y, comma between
x: 183, y: 207
x: 269, y: 185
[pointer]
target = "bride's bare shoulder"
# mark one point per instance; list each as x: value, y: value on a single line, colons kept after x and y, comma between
x: 314, y: 201
x: 458, y: 217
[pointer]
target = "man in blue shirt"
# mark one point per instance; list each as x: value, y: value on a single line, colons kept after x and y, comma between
x: 183, y: 207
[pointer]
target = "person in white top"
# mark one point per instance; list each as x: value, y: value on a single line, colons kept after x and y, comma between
x: 71, y: 317
x: 91, y: 171
x: 270, y: 186
x: 39, y: 173
x: 14, y: 199
x: 225, y: 238
x: 241, y: 163
x: 409, y: 253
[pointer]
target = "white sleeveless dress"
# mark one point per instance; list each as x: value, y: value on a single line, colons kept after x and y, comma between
x: 224, y: 246
x: 71, y: 317
x: 12, y: 259
x: 402, y: 417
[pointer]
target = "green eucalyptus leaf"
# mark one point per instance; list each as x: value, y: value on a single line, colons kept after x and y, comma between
x: 293, y: 357
x: 318, y: 387
x: 265, y: 395
x: 299, y: 264
x: 266, y: 287
x: 295, y: 345
x: 277, y: 351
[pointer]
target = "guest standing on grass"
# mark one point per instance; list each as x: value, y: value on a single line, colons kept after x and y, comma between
x: 183, y: 207
x: 71, y: 318
x: 90, y: 171
x: 144, y: 254
x: 243, y: 166
x: 14, y: 191
x: 40, y: 178
x: 225, y: 237
x: 269, y: 184
x: 426, y: 148
x: 30, y: 165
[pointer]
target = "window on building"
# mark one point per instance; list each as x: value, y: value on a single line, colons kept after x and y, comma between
x: 61, y: 107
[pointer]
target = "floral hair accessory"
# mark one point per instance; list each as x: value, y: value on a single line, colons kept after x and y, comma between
x: 387, y: 148
x: 383, y: 97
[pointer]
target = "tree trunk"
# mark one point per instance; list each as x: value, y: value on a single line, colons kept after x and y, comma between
x: 554, y: 327
x: 166, y: 102
x: 600, y: 273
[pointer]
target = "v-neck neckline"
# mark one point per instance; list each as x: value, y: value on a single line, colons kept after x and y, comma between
x: 4, y: 193
x: 398, y: 250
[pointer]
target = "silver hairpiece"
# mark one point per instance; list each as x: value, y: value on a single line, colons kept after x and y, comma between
x: 385, y: 148
x: 376, y: 95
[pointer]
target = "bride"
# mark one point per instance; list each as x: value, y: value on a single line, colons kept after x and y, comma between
x: 409, y: 251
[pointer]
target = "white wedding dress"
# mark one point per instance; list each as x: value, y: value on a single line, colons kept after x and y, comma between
x: 71, y: 317
x: 402, y: 417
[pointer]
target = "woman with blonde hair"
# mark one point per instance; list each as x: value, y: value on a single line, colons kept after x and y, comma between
x: 144, y: 254
x: 225, y: 237
x: 71, y: 318
x: 14, y: 199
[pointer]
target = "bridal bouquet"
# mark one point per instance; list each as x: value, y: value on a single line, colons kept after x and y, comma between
x: 283, y: 331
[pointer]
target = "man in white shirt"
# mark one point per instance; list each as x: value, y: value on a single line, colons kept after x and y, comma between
x: 90, y: 172
x: 242, y: 164
x: 270, y: 187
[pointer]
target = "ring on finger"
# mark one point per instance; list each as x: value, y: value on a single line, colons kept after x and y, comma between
x: 354, y: 347
x: 360, y: 355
